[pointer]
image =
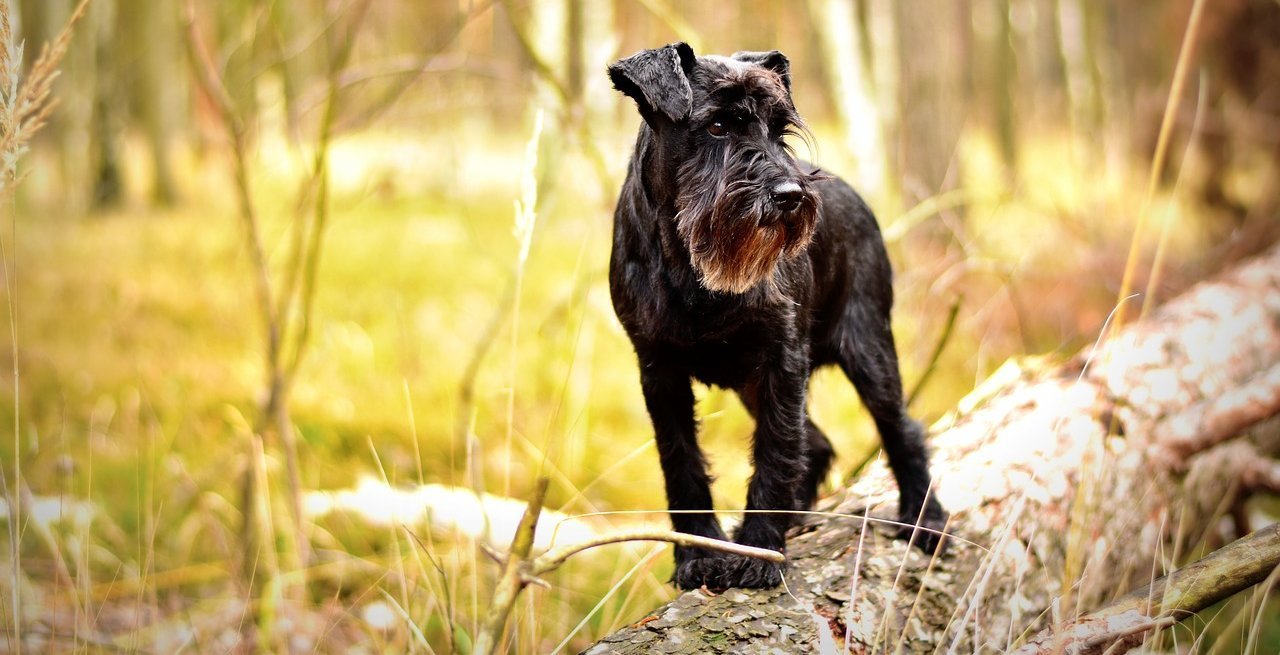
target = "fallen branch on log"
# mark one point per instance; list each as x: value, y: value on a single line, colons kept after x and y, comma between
x: 1079, y: 479
x: 1119, y: 626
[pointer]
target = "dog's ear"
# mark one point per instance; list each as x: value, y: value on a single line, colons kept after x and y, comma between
x: 772, y: 60
x: 658, y: 80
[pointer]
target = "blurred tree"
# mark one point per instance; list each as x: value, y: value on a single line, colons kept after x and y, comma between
x: 844, y: 65
x: 107, y: 97
x: 1003, y: 81
x: 151, y: 74
x: 930, y: 99
x: 1079, y: 24
x: 1241, y: 53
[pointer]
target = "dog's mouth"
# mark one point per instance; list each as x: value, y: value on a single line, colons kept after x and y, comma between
x: 737, y: 236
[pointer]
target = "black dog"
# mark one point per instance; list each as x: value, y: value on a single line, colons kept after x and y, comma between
x: 735, y: 264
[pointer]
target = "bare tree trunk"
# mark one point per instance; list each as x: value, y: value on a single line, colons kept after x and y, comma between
x: 930, y: 96
x: 1075, y: 474
x: 159, y: 94
x: 1005, y: 79
x: 1079, y: 24
x: 844, y: 65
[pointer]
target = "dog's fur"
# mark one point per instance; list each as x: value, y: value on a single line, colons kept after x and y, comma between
x: 737, y: 265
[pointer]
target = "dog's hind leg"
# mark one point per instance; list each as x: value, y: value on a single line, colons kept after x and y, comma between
x: 820, y: 455
x: 868, y: 356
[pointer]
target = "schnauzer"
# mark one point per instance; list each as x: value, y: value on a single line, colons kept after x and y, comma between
x: 737, y: 265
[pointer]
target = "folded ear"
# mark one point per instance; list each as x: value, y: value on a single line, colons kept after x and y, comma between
x: 772, y: 60
x: 658, y: 80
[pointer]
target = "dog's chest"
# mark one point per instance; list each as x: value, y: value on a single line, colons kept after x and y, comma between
x: 721, y: 343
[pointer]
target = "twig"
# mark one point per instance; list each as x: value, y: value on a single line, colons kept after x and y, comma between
x: 521, y: 570
x: 943, y: 339
x: 253, y: 545
x: 1115, y: 639
x: 928, y: 207
x: 513, y: 578
x: 443, y: 39
x: 553, y: 559
x: 211, y: 82
x: 310, y: 259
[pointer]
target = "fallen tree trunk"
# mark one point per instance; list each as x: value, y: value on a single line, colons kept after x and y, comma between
x: 1069, y: 486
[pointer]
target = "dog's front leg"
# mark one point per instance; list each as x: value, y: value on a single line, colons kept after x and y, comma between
x: 668, y: 394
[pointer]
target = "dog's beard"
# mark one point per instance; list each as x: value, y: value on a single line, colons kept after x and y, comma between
x: 735, y: 238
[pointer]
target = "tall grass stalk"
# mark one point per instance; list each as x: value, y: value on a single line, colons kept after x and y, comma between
x: 1162, y: 148
x: 25, y: 106
x: 526, y: 216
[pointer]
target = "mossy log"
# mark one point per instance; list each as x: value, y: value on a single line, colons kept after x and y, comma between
x: 1070, y: 484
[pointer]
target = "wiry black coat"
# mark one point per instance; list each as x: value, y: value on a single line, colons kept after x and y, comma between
x: 816, y: 289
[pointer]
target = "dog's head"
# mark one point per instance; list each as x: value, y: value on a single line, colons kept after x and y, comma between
x: 743, y: 202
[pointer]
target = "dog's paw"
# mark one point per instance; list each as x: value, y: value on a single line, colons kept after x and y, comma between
x: 929, y: 536
x: 723, y: 570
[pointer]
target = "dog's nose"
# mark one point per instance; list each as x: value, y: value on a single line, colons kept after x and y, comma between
x: 787, y: 196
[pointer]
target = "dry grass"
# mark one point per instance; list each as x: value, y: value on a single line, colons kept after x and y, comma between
x: 25, y: 105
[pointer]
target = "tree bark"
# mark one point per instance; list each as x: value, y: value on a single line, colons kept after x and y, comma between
x: 1064, y: 481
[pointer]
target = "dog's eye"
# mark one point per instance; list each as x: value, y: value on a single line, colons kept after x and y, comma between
x: 717, y: 129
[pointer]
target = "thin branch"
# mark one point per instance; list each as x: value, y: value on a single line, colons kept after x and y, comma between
x: 1115, y: 640
x: 1175, y: 597
x: 568, y: 104
x: 320, y: 173
x: 520, y: 570
x: 211, y: 82
x: 443, y: 39
x: 513, y: 578
x: 943, y: 339
x: 553, y: 559
x: 207, y: 75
